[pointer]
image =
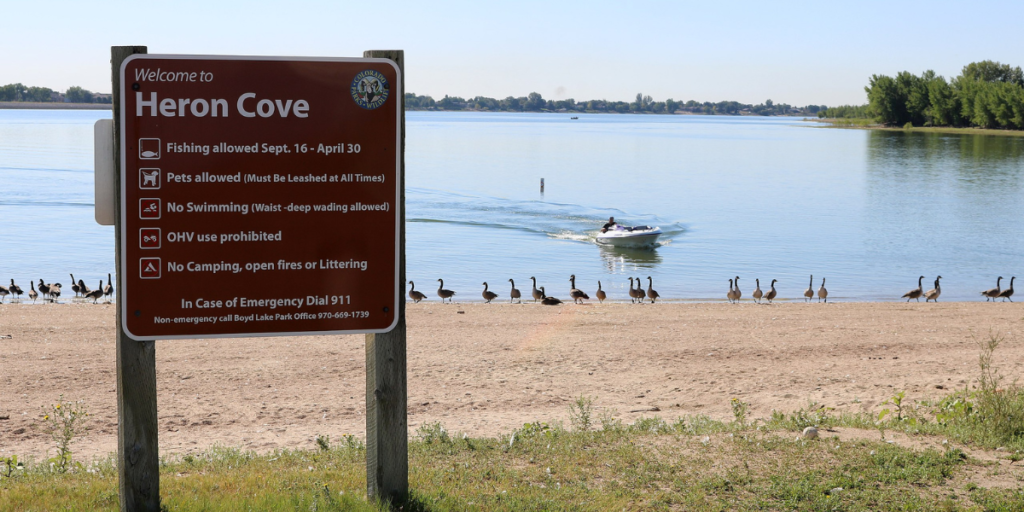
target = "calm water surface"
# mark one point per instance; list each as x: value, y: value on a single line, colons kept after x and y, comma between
x: 756, y: 197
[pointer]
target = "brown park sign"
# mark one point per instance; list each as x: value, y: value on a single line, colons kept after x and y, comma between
x: 259, y: 196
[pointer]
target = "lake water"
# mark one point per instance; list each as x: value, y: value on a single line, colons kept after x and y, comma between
x: 764, y: 198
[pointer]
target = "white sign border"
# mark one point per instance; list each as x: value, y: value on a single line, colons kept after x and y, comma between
x: 399, y: 212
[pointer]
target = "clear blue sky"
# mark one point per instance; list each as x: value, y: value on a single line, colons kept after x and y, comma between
x: 794, y: 52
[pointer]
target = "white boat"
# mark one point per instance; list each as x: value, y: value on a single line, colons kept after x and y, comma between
x: 636, y: 236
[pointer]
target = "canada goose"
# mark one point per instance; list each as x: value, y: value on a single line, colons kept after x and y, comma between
x: 757, y: 291
x: 83, y: 289
x: 771, y: 293
x: 576, y: 294
x: 74, y: 286
x: 934, y: 293
x: 44, y: 289
x: 32, y: 294
x: 739, y: 294
x: 444, y: 294
x: 651, y: 292
x: 633, y: 295
x: 15, y: 289
x: 640, y: 293
x: 548, y: 301
x: 537, y: 294
x: 915, y: 293
x: 514, y: 294
x: 3, y: 293
x: 415, y: 295
x: 732, y: 293
x: 55, y: 292
x: 1006, y: 294
x: 488, y: 295
x: 95, y: 294
x: 601, y: 296
x: 823, y: 293
x: 992, y: 293
x: 108, y: 290
x: 809, y: 292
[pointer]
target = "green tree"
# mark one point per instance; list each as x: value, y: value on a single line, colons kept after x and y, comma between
x: 76, y: 94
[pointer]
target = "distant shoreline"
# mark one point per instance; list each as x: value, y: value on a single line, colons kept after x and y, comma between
x: 867, y: 124
x: 34, y: 105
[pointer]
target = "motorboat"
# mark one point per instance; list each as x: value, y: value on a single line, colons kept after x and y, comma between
x: 623, y: 236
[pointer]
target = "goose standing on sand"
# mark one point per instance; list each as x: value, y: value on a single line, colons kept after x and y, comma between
x: 415, y: 295
x: 514, y: 294
x: 95, y: 294
x: 771, y: 293
x: 934, y: 293
x: 732, y: 293
x: 757, y: 291
x: 739, y: 294
x: 83, y: 289
x: 632, y: 292
x: 488, y: 295
x: 32, y: 294
x: 537, y: 294
x: 444, y: 294
x: 640, y: 293
x: 1005, y: 294
x: 601, y: 296
x: 992, y: 293
x: 55, y: 292
x: 74, y: 286
x: 651, y: 292
x: 44, y: 289
x: 108, y: 290
x: 809, y: 292
x: 4, y: 292
x: 16, y: 290
x: 548, y: 301
x: 915, y: 293
x: 576, y: 294
x: 822, y: 292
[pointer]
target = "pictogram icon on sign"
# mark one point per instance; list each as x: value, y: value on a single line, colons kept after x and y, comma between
x: 149, y: 238
x: 149, y: 268
x: 149, y: 149
x: 149, y: 179
x: 149, y: 208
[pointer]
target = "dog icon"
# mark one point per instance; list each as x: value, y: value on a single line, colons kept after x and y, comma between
x: 150, y: 178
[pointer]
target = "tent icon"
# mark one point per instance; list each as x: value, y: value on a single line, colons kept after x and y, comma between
x: 149, y: 268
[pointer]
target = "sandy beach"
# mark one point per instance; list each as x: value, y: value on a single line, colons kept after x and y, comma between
x: 485, y: 369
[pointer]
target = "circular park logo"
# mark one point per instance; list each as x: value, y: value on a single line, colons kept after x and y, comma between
x: 370, y: 89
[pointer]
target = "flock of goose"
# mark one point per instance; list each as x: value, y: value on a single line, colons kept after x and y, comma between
x: 52, y: 291
x: 638, y: 295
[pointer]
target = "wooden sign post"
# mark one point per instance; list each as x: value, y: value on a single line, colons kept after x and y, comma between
x: 230, y: 167
x: 138, y: 459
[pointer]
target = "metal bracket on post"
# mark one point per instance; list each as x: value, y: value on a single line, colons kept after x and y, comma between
x: 387, y: 431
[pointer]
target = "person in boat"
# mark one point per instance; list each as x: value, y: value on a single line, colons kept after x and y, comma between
x: 609, y: 225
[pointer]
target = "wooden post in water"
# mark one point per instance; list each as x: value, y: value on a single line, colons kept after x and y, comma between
x: 387, y: 431
x: 137, y: 456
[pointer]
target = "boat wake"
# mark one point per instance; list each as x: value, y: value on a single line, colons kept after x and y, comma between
x: 558, y: 221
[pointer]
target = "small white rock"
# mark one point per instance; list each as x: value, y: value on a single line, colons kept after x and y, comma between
x: 810, y: 433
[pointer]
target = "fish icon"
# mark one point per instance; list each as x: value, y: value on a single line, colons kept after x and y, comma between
x: 149, y: 149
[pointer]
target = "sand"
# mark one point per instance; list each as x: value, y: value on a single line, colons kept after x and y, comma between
x: 485, y: 369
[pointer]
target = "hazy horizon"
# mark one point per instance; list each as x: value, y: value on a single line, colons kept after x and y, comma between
x: 799, y: 53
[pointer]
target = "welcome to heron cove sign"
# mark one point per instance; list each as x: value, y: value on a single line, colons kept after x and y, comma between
x: 260, y: 195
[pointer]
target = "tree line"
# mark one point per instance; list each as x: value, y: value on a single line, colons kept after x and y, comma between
x: 74, y: 94
x: 534, y: 102
x: 986, y: 94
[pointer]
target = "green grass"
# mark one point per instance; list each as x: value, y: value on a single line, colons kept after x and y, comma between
x: 691, y: 464
x: 871, y: 124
